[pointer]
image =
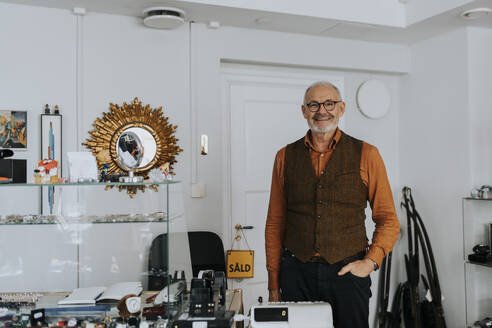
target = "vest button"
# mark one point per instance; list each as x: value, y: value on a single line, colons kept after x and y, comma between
x: 320, y: 186
x: 319, y: 216
x: 320, y: 202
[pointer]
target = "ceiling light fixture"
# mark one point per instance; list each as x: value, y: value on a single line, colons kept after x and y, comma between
x: 163, y: 17
x: 476, y: 13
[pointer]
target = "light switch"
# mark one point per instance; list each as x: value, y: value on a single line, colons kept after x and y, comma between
x: 204, y: 144
x: 198, y: 190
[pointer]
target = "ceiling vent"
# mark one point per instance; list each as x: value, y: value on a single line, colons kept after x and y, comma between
x: 476, y: 13
x: 163, y: 17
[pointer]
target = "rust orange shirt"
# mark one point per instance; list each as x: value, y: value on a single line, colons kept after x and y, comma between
x: 373, y: 174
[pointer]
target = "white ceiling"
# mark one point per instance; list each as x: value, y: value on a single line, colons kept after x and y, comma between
x: 395, y: 21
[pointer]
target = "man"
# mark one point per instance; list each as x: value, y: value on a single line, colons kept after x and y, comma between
x: 315, y: 233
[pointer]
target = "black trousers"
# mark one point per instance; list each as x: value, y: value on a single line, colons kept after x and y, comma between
x: 348, y: 295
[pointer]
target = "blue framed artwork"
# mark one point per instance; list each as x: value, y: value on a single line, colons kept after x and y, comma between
x: 51, y: 148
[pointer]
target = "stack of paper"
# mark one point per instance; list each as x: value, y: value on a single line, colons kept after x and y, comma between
x: 91, y: 295
x: 83, y: 296
x: 117, y: 291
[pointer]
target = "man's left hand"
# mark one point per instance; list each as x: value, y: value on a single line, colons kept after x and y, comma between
x: 360, y: 268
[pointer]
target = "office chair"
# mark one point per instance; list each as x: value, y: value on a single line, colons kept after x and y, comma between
x: 206, y: 251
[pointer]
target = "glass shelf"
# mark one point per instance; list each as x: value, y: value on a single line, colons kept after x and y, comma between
x: 87, y: 184
x: 487, y: 264
x: 59, y: 219
x: 472, y: 198
x: 476, y: 220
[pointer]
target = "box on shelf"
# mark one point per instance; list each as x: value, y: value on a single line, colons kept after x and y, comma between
x: 14, y: 169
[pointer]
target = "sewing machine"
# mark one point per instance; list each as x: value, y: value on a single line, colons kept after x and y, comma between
x: 292, y: 315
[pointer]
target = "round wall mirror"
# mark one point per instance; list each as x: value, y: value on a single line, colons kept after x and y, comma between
x: 136, y: 148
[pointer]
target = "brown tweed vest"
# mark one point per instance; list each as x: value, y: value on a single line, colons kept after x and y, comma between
x: 325, y: 215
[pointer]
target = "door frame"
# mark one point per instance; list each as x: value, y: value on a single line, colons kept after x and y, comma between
x: 259, y: 75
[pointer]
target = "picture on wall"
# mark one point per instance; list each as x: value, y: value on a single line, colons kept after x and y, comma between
x: 51, y: 143
x: 13, y: 129
x: 51, y: 148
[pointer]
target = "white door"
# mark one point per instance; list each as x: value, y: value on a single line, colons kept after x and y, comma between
x: 265, y: 115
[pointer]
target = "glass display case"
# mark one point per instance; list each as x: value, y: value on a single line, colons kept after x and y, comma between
x: 90, y: 237
x: 477, y: 220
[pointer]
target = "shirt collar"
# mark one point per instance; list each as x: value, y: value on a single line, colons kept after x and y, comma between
x: 336, y: 138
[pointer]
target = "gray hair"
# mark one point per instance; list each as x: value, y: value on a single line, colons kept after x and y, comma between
x: 322, y: 84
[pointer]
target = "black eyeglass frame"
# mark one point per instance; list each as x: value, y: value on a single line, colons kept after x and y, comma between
x: 325, y: 106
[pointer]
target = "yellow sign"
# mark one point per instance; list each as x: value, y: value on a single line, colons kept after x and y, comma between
x: 240, y: 264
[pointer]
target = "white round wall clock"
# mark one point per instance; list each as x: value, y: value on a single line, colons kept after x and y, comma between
x: 373, y: 99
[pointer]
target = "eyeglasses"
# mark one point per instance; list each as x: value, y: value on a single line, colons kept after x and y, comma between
x: 329, y: 105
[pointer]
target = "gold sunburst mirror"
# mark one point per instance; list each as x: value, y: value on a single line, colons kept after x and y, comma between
x: 133, y: 138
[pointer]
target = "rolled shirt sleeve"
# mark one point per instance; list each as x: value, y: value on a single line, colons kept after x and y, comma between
x: 373, y: 173
x: 275, y: 224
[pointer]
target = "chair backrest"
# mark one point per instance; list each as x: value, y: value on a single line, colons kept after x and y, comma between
x: 158, y: 259
x: 206, y: 251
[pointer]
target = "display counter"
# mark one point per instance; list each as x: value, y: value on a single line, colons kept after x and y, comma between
x: 87, y: 237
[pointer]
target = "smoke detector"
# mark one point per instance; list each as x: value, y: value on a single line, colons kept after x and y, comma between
x: 163, y: 17
x: 476, y: 13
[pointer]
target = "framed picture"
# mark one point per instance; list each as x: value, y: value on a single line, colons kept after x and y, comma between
x: 51, y: 148
x: 13, y: 129
x: 51, y: 133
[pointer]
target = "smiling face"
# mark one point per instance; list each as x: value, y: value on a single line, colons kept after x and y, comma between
x: 323, y: 120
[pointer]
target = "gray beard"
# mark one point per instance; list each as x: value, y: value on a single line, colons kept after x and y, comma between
x: 329, y: 128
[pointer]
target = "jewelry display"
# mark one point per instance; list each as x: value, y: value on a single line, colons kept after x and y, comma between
x: 75, y: 250
x: 53, y: 219
x: 20, y: 297
x: 156, y: 175
x: 18, y: 301
x: 127, y: 313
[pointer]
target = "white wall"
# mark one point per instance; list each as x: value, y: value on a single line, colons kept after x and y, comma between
x: 445, y: 138
x: 37, y: 63
x: 121, y: 60
x: 426, y: 140
x: 434, y: 152
x: 210, y: 47
x: 480, y: 133
x: 479, y: 77
x: 417, y: 11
